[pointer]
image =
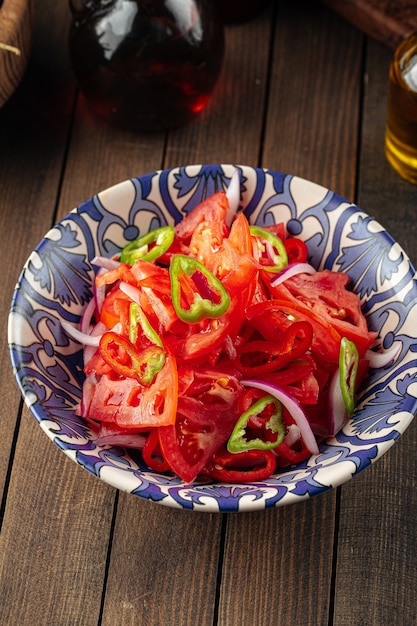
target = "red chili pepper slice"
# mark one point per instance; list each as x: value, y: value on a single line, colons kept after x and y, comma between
x: 125, y: 360
x: 260, y: 357
x: 297, y: 250
x: 248, y: 466
x: 287, y: 456
x: 151, y: 453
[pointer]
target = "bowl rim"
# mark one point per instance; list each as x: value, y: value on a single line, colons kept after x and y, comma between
x: 248, y: 499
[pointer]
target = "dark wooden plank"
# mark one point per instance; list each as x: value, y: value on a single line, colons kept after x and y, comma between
x: 31, y: 158
x: 278, y: 565
x: 53, y: 545
x: 387, y: 21
x: 314, y: 107
x: 180, y: 550
x: 377, y: 550
x: 164, y: 566
x: 54, y: 510
x: 101, y: 155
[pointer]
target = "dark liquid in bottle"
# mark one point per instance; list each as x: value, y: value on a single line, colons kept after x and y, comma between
x: 238, y: 11
x: 145, y: 67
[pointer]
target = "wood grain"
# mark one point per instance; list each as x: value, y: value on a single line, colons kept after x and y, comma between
x: 53, y: 544
x: 387, y: 21
x: 314, y: 104
x: 15, y: 44
x: 377, y: 551
x: 301, y: 91
x: 271, y: 558
x: 31, y: 160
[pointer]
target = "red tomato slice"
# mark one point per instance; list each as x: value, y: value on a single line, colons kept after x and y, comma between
x: 212, y: 209
x: 153, y: 276
x: 326, y: 296
x: 115, y: 306
x: 204, y: 423
x: 122, y: 272
x: 240, y: 236
x: 129, y: 404
x: 221, y: 254
x: 273, y: 316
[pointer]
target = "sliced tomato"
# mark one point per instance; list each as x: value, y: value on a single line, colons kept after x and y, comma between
x: 212, y: 209
x: 278, y: 229
x: 325, y: 295
x: 115, y: 307
x: 218, y: 252
x: 273, y: 316
x: 128, y: 404
x: 206, y: 245
x: 204, y: 423
x: 122, y: 272
x: 240, y: 236
x: 152, y: 276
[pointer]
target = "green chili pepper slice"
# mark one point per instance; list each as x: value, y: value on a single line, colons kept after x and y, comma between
x: 238, y: 441
x: 138, y: 317
x: 141, y: 248
x: 280, y: 256
x: 348, y: 368
x: 191, y: 280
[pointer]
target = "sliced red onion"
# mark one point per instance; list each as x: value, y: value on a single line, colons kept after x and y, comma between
x: 233, y: 197
x: 292, y: 270
x: 84, y: 338
x: 381, y: 359
x: 292, y: 436
x: 99, y: 292
x: 270, y: 252
x: 293, y: 407
x: 98, y: 331
x: 122, y: 439
x: 85, y: 322
x: 132, y: 292
x: 338, y: 415
x: 105, y: 263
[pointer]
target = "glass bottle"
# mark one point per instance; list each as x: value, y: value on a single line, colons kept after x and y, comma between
x: 147, y: 65
x: 401, y: 128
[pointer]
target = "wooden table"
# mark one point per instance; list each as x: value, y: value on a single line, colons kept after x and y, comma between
x: 301, y: 91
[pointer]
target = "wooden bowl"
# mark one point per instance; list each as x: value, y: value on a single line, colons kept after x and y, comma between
x: 15, y: 42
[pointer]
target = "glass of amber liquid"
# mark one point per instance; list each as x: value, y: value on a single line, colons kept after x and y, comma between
x: 401, y: 128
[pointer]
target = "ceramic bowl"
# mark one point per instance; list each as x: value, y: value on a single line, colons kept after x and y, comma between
x: 56, y: 284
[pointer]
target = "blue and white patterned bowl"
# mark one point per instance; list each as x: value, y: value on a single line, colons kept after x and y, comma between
x: 56, y: 284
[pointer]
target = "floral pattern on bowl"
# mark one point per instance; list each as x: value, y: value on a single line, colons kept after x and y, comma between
x: 56, y: 284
